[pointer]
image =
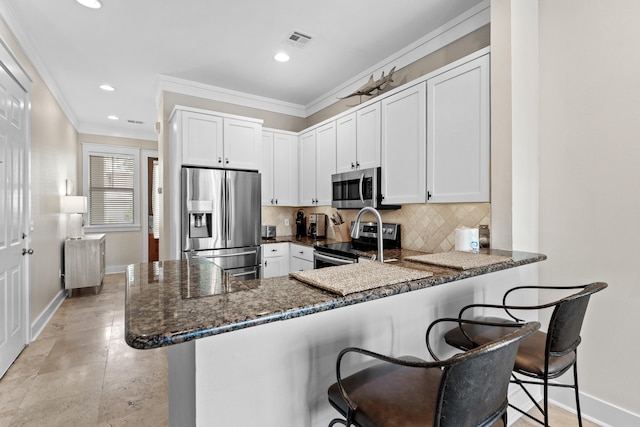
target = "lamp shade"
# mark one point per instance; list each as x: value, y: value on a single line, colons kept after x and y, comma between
x: 74, y: 204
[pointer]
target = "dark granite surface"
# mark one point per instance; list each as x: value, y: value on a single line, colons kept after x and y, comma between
x: 170, y: 302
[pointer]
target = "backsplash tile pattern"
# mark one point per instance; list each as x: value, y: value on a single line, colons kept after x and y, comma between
x: 425, y: 227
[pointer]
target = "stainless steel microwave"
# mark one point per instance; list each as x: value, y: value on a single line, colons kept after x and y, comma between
x: 357, y: 189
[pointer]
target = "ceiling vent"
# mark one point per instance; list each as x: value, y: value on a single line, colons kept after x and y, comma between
x: 299, y: 39
x: 135, y: 122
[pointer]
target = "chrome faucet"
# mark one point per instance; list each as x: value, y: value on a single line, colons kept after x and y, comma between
x: 355, y: 233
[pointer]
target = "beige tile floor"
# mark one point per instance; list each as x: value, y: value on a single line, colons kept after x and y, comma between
x: 80, y: 372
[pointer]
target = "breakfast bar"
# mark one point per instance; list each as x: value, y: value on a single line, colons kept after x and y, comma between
x: 262, y: 352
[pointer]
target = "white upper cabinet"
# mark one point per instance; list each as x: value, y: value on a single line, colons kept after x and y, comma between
x: 368, y: 137
x: 217, y: 140
x: 458, y: 134
x: 325, y: 162
x: 279, y: 168
x: 358, y: 139
x: 317, y: 164
x: 242, y: 144
x: 404, y: 146
x: 201, y: 139
x: 346, y: 130
x: 307, y: 172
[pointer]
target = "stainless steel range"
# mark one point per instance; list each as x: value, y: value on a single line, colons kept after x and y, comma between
x: 348, y: 253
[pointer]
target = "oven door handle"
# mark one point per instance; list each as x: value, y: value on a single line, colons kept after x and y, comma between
x: 333, y: 260
x: 360, y: 192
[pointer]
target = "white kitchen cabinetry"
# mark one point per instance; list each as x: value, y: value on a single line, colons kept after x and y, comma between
x: 201, y: 138
x: 275, y: 259
x: 279, y: 168
x: 301, y: 257
x: 216, y: 140
x: 458, y: 137
x: 242, y: 144
x: 84, y: 262
x: 403, y: 143
x: 358, y: 139
x: 317, y: 164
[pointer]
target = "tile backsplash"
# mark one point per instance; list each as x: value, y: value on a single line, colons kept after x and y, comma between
x: 425, y: 227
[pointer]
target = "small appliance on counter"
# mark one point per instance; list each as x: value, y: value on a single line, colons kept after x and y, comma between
x: 268, y: 231
x: 301, y: 224
x: 317, y: 225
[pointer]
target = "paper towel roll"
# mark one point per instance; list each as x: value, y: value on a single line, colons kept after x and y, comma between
x: 467, y: 239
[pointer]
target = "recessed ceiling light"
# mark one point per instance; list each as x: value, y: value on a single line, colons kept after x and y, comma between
x: 113, y: 117
x: 281, y: 57
x: 107, y: 87
x: 92, y: 4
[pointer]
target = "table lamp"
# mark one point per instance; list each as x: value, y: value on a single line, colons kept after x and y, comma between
x: 76, y: 206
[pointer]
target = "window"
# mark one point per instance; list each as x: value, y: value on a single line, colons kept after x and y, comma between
x: 111, y: 183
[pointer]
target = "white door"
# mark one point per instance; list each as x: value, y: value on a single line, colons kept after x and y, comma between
x: 13, y: 220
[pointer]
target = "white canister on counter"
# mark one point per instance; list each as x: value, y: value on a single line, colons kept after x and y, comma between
x: 467, y: 240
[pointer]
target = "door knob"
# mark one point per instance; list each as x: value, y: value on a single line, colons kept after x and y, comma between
x: 27, y: 251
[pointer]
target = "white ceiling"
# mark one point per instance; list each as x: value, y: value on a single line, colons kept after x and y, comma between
x: 226, y: 44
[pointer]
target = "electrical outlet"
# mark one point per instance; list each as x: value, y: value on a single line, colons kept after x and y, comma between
x: 286, y: 222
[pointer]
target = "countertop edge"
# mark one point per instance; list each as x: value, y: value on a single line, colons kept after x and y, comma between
x: 163, y: 340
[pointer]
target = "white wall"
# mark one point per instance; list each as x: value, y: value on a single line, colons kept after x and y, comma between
x: 589, y: 179
x: 53, y: 159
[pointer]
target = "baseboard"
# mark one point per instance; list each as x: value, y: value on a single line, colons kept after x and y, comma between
x: 115, y: 269
x: 47, y: 314
x: 593, y: 409
x: 518, y: 398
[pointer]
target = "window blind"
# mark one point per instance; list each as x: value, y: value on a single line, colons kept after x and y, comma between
x: 111, y: 190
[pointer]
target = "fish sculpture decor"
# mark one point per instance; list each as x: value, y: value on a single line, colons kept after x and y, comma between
x: 372, y: 86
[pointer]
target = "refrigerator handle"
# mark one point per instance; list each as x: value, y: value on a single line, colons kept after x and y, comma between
x: 227, y: 216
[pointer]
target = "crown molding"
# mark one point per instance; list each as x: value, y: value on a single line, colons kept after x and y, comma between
x: 30, y: 51
x: 458, y: 27
x: 115, y: 131
x: 201, y: 90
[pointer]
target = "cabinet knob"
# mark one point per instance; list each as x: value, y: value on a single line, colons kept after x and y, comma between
x: 265, y: 262
x: 357, y: 165
x: 226, y: 160
x: 352, y: 165
x: 219, y: 159
x: 271, y: 201
x: 276, y: 201
x: 27, y: 251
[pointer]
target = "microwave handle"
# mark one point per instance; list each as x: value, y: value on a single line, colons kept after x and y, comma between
x: 360, y: 189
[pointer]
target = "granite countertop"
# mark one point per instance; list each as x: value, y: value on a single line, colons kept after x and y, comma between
x: 304, y: 240
x: 169, y: 302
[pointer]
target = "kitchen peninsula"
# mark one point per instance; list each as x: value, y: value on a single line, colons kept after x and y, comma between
x: 263, y: 351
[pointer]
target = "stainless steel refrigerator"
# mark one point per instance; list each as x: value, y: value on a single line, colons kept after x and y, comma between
x: 221, y: 218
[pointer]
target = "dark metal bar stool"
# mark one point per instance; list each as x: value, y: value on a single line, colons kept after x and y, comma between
x: 468, y: 389
x: 542, y: 356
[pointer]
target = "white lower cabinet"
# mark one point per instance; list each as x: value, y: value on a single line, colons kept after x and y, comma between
x: 301, y: 257
x: 275, y: 259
